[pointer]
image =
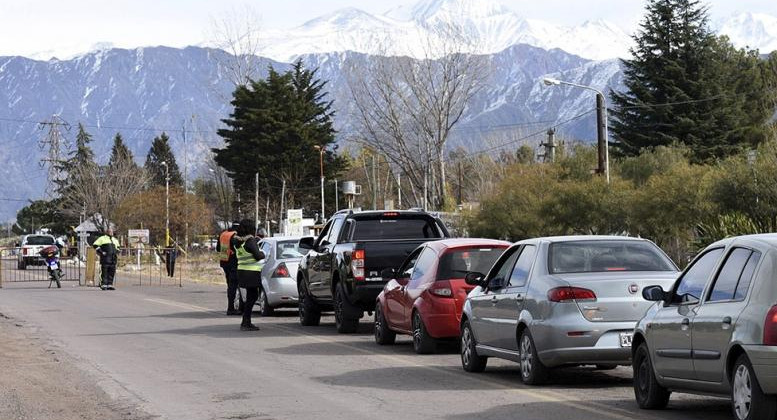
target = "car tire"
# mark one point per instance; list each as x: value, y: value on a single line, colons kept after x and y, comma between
x: 470, y: 360
x: 344, y: 323
x: 264, y: 305
x: 383, y: 334
x: 533, y: 372
x: 423, y: 343
x: 748, y: 400
x: 650, y: 395
x: 309, y: 312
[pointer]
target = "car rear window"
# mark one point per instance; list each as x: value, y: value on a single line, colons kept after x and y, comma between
x: 395, y: 228
x: 606, y: 255
x: 457, y: 263
x: 40, y: 240
x: 289, y: 249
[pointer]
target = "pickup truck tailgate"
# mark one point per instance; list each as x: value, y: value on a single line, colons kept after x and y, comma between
x: 382, y: 254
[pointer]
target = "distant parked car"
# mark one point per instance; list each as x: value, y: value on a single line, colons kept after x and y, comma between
x: 30, y: 246
x: 571, y: 300
x: 279, y: 284
x: 426, y: 293
x: 714, y: 330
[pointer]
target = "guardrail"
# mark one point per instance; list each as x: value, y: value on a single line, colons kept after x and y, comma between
x: 15, y: 267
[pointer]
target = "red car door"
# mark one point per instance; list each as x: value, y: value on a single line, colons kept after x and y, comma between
x: 394, y: 292
x: 423, y: 273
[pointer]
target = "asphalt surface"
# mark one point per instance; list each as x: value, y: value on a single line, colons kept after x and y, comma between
x: 172, y: 353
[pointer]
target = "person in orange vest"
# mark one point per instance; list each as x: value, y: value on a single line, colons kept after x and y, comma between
x: 228, y: 262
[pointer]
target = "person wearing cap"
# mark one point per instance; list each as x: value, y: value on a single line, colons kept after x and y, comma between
x: 250, y: 261
x: 228, y: 263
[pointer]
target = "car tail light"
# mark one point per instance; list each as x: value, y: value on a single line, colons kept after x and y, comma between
x: 281, y: 271
x: 565, y: 294
x: 357, y: 264
x: 770, y: 327
x: 24, y: 251
x: 441, y: 289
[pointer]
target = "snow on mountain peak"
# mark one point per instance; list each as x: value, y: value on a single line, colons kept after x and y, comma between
x: 752, y: 30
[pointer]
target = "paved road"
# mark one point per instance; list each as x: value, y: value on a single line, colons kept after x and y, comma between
x: 171, y: 352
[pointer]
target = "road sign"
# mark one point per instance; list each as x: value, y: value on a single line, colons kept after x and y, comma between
x: 294, y: 218
x: 138, y: 236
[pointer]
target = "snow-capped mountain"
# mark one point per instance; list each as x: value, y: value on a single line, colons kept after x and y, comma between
x: 752, y: 30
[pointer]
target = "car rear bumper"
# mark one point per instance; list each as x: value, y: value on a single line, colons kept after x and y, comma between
x: 764, y: 361
x: 441, y: 317
x: 281, y: 291
x: 365, y: 294
x: 598, y: 343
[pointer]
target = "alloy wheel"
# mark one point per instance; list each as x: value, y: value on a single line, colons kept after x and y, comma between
x: 262, y: 299
x: 526, y: 356
x: 466, y: 346
x: 378, y: 323
x: 742, y: 392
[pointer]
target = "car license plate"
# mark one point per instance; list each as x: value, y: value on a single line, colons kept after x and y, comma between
x: 626, y: 339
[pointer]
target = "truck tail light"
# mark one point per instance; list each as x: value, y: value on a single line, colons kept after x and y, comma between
x: 357, y: 264
x: 770, y: 327
x: 441, y: 289
x: 24, y: 251
x: 281, y: 271
x: 568, y: 293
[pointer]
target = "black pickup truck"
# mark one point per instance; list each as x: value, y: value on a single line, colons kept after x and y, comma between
x: 342, y: 271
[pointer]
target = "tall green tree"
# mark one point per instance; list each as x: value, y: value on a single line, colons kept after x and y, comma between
x: 120, y: 152
x: 159, y: 152
x: 274, y: 130
x: 687, y: 86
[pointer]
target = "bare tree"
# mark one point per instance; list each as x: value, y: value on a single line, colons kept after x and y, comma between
x: 238, y: 34
x: 406, y: 108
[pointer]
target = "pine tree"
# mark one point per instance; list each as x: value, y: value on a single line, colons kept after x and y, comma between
x: 687, y: 86
x: 272, y: 131
x: 120, y: 152
x: 160, y: 152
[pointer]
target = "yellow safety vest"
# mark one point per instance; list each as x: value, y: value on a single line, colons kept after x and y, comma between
x: 246, y: 261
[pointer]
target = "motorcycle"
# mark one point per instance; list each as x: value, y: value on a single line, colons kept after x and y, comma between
x: 50, y: 255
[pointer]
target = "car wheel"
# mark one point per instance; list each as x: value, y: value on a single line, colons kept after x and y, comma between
x: 383, y: 334
x: 470, y: 360
x: 309, y: 313
x: 649, y: 393
x: 748, y: 401
x: 533, y: 372
x: 423, y: 343
x: 344, y: 323
x: 264, y: 306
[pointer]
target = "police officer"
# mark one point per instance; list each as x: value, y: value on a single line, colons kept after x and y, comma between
x: 107, y: 247
x: 250, y: 260
x: 228, y: 263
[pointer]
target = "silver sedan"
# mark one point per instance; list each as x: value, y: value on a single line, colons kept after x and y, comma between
x: 557, y: 301
x: 279, y: 284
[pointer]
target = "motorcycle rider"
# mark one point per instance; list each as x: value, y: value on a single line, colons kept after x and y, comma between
x: 107, y: 247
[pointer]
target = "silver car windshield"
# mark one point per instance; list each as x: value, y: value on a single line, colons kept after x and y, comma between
x: 606, y: 255
x: 288, y: 249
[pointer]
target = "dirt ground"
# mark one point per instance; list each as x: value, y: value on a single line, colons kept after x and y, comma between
x: 38, y: 381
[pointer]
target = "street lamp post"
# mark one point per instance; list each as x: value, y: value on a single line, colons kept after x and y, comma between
x: 167, y: 204
x: 601, y: 117
x: 321, y: 150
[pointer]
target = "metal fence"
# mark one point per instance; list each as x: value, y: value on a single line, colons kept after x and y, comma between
x: 17, y: 267
x: 150, y: 266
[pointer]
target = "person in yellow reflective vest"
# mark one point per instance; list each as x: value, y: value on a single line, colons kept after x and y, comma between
x: 107, y: 247
x: 228, y: 263
x: 250, y: 261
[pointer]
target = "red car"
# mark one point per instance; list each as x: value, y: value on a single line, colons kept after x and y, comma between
x: 426, y: 294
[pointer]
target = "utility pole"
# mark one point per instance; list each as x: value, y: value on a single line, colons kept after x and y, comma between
x: 283, y: 202
x: 167, y: 205
x: 374, y: 186
x: 256, y: 202
x: 185, y: 186
x: 399, y: 191
x: 601, y: 137
x: 550, y: 147
x: 337, y: 198
x: 460, y: 182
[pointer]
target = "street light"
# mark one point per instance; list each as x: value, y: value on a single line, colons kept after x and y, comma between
x: 601, y: 117
x: 167, y: 204
x: 321, y: 150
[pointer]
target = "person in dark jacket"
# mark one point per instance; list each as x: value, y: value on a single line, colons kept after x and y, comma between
x: 250, y: 260
x: 228, y: 263
x: 107, y: 247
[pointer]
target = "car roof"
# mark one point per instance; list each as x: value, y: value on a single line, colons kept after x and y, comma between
x: 282, y: 238
x: 769, y: 239
x: 444, y: 244
x: 576, y: 238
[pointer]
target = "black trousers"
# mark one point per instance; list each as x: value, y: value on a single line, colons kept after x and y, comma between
x: 170, y: 256
x: 231, y: 275
x: 252, y: 295
x: 107, y: 274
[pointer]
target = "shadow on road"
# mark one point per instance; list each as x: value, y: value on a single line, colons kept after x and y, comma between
x: 231, y: 330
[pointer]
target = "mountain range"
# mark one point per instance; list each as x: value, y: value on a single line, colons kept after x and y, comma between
x: 141, y: 92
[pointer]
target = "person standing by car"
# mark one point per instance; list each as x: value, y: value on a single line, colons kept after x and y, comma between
x: 250, y: 260
x: 107, y: 247
x: 228, y: 263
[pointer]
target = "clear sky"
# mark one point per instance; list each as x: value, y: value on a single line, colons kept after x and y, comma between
x: 64, y: 27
